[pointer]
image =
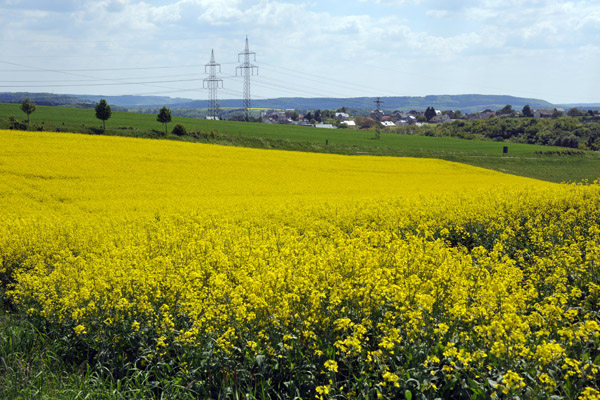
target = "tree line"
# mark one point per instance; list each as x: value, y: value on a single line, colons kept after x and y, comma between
x: 103, y: 113
x: 564, y: 132
x: 103, y: 110
x: 573, y: 131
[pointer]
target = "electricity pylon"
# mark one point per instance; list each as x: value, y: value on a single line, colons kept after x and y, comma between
x: 212, y: 83
x: 246, y: 70
x: 378, y: 113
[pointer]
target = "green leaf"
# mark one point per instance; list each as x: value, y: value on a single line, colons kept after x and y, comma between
x: 408, y: 395
x: 260, y: 358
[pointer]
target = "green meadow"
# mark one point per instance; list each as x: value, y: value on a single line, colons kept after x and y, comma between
x: 554, y: 164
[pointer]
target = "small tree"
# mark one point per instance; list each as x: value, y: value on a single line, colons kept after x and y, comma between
x: 365, y: 123
x: 527, y: 111
x: 318, y: 116
x: 28, y: 107
x: 574, y: 112
x: 103, y: 112
x: 506, y: 110
x: 164, y: 117
x: 430, y: 113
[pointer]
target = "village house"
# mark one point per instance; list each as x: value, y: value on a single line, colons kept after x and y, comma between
x: 275, y: 117
x: 486, y: 114
x: 340, y: 116
x: 377, y: 115
x: 326, y: 126
x: 438, y: 119
x: 549, y: 113
x: 543, y: 113
x: 399, y: 115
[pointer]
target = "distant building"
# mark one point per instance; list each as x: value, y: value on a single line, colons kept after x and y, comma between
x: 276, y: 117
x: 440, y: 119
x: 326, y: 126
x: 376, y: 114
x: 482, y: 115
x: 543, y: 113
x: 399, y: 115
x: 550, y: 113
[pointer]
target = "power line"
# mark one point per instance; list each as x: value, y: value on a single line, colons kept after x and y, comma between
x: 162, y: 82
x: 118, y: 83
x: 94, y: 80
x: 35, y: 69
x: 323, y: 79
x: 115, y: 81
x: 272, y: 83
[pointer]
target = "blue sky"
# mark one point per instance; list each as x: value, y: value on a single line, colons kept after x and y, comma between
x: 543, y: 49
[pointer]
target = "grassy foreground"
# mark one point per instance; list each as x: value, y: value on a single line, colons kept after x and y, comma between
x: 541, y: 162
x: 144, y: 269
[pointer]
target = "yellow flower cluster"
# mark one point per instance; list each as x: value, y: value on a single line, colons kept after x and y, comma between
x: 512, y: 381
x: 365, y: 266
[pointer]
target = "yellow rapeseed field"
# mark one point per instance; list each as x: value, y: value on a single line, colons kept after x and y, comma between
x: 278, y: 274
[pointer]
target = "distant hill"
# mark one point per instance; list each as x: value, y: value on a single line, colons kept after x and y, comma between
x: 45, y: 99
x: 136, y: 101
x: 463, y: 102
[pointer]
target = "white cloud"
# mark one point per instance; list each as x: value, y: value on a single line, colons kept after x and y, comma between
x: 437, y: 13
x: 218, y: 12
x: 425, y: 37
x: 545, y: 20
x: 397, y: 3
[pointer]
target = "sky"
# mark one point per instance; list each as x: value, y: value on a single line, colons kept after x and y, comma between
x: 543, y: 49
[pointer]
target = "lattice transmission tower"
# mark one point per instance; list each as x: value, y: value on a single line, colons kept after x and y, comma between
x: 246, y: 70
x: 378, y: 102
x: 378, y: 115
x: 212, y: 83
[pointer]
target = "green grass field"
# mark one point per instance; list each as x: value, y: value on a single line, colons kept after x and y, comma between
x: 522, y: 159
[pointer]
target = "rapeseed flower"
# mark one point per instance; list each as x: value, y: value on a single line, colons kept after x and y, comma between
x: 254, y: 259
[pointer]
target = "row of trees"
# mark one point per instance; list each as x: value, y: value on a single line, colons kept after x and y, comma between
x: 103, y: 113
x: 564, y: 132
x: 528, y: 112
x: 103, y: 110
x: 508, y: 111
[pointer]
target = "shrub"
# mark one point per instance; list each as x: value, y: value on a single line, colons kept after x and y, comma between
x: 16, y: 124
x: 179, y: 130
